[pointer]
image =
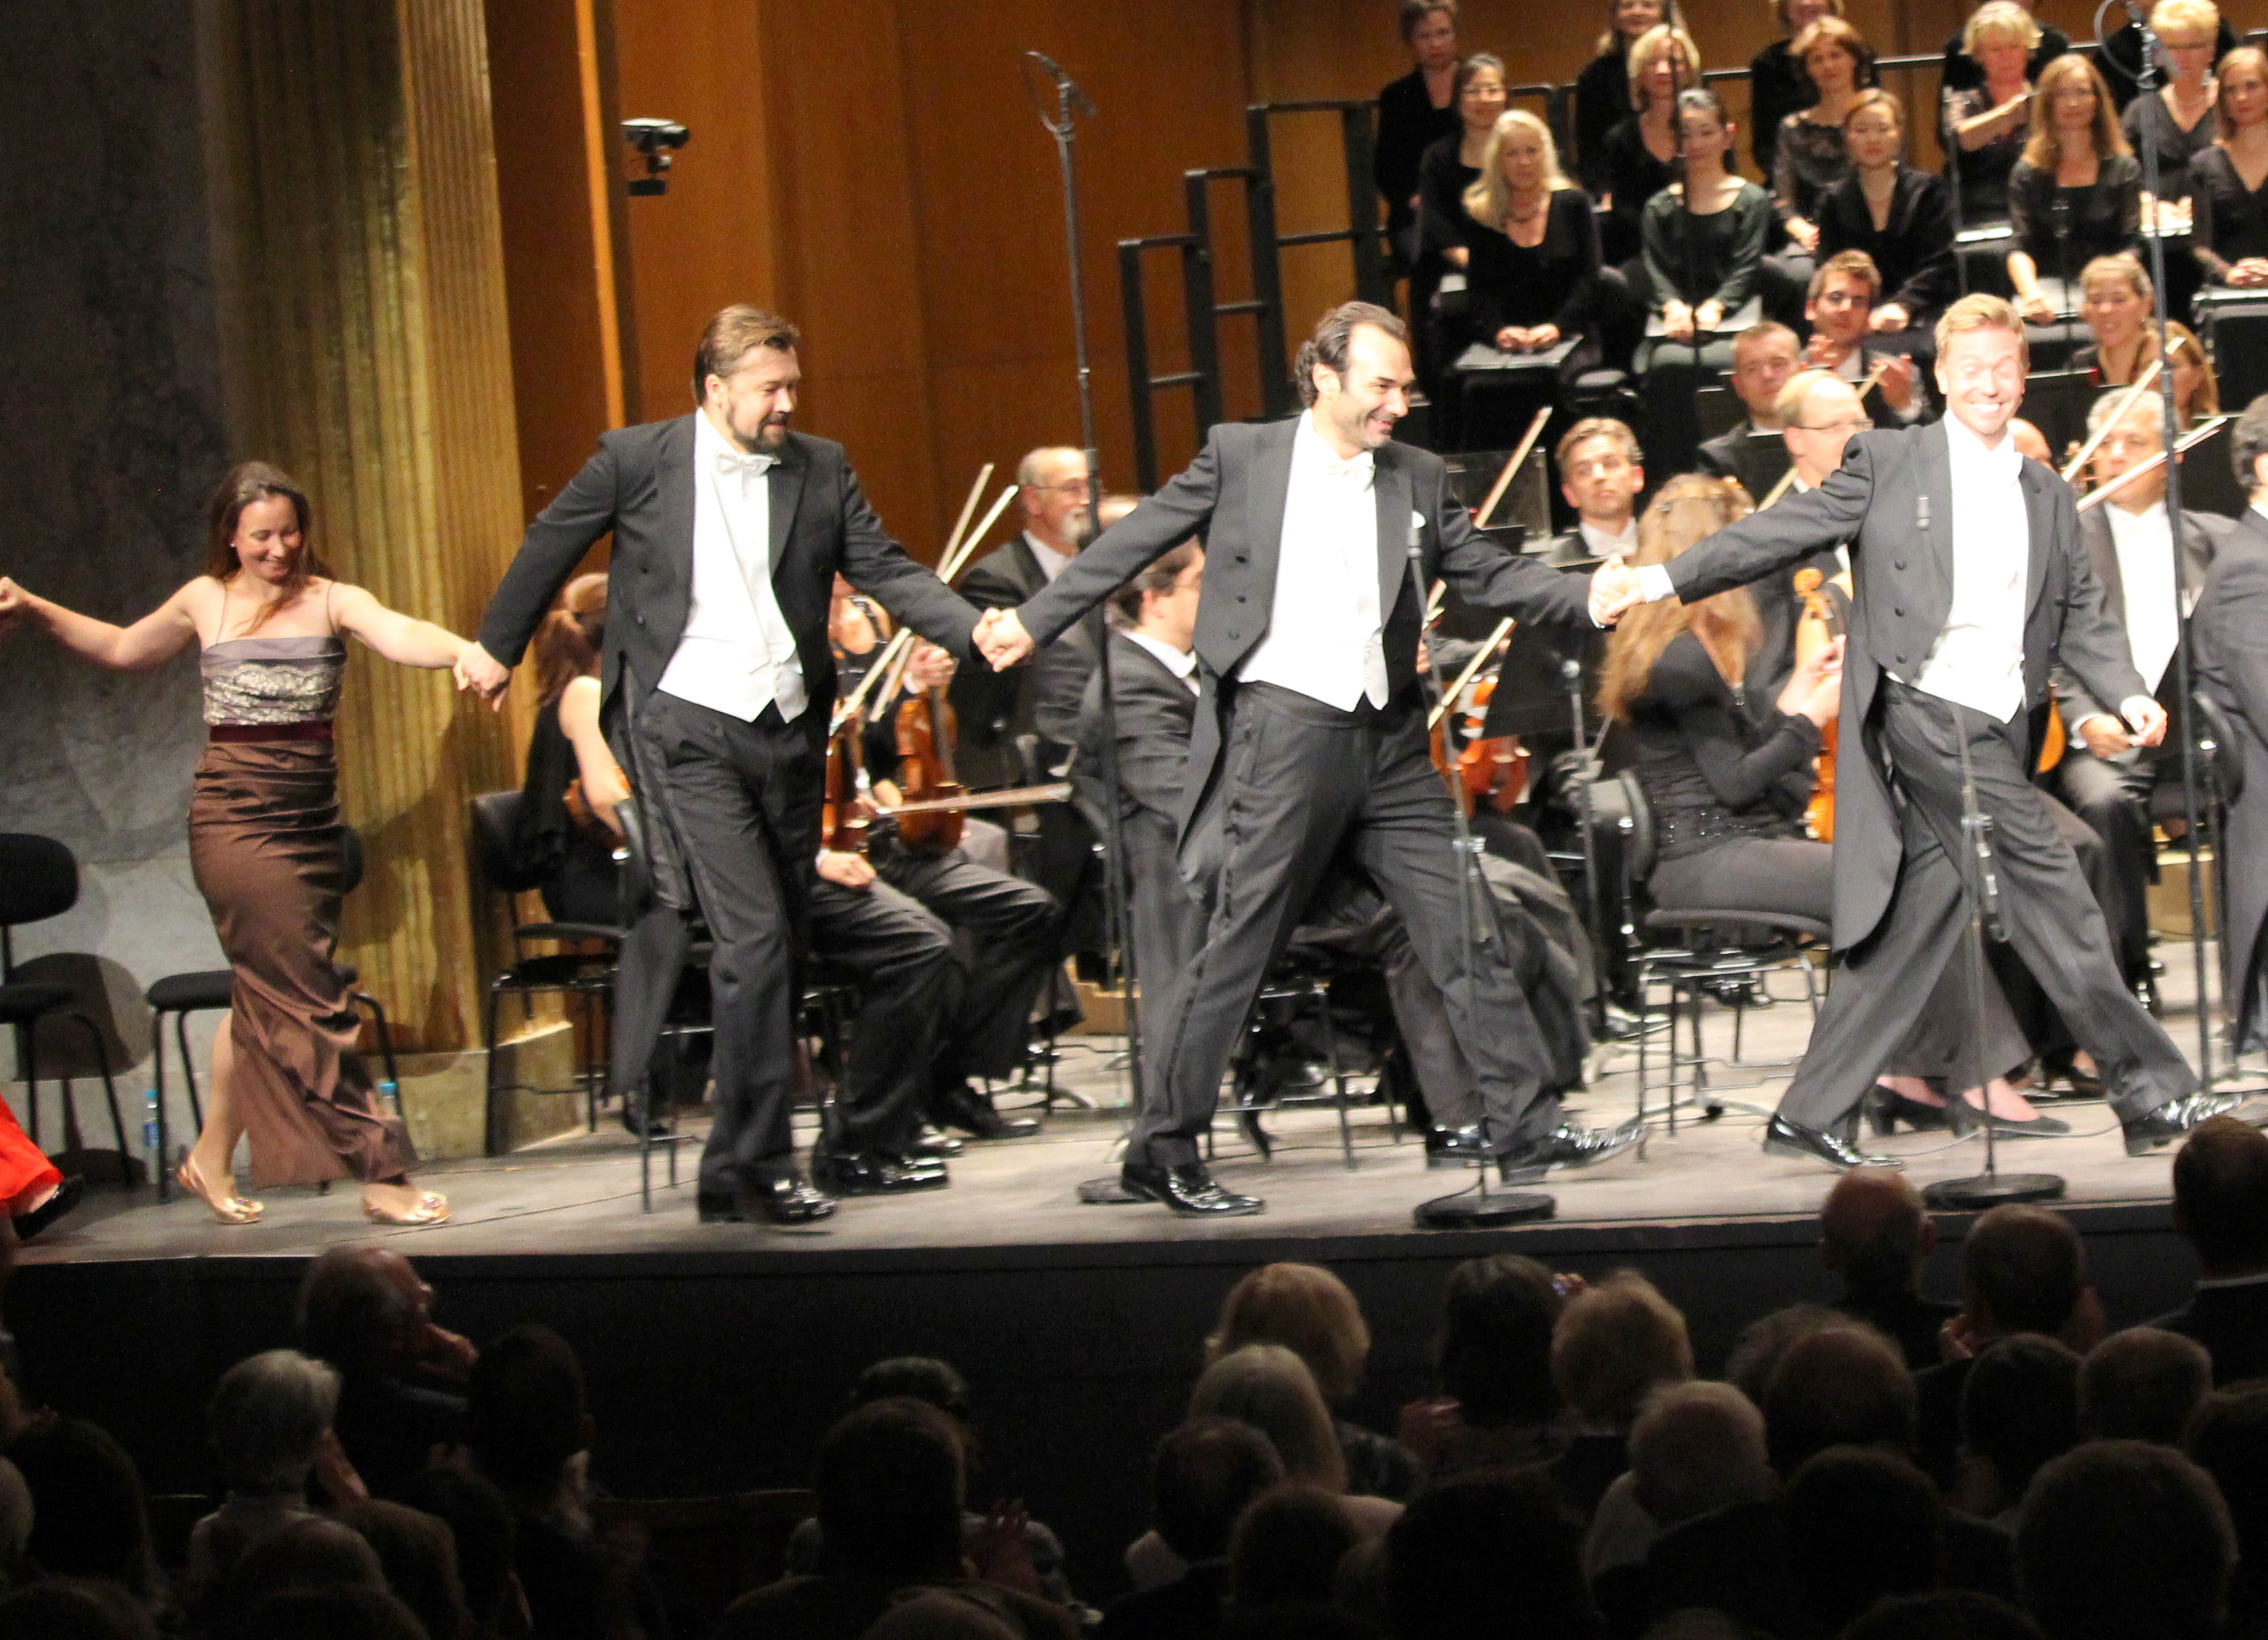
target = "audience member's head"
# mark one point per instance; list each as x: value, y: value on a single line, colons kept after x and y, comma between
x: 89, y: 1519
x: 15, y: 1523
x: 1269, y: 1387
x: 419, y: 1558
x: 1947, y: 1615
x: 2228, y: 1440
x: 1499, y: 1312
x: 307, y: 1552
x: 483, y: 1531
x: 1699, y: 1622
x: 1859, y: 1524
x: 1296, y: 1620
x: 1614, y: 1343
x: 524, y: 1416
x: 2142, y: 1385
x: 351, y: 1613
x: 2123, y: 1539
x: 889, y: 1486
x: 74, y: 1608
x: 1874, y: 1233
x: 2019, y: 1409
x: 944, y: 1614
x: 1760, y: 1344
x: 1847, y: 1386
x: 2221, y: 1179
x: 1287, y: 1545
x: 363, y: 1309
x: 1204, y: 1473
x: 915, y: 1377
x: 1464, y: 1546
x: 1307, y: 1310
x: 267, y: 1421
x: 2023, y: 1270
x: 1696, y: 1448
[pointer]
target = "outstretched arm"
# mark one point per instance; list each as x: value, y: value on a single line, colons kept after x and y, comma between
x: 153, y: 640
x: 402, y: 639
x: 1774, y: 539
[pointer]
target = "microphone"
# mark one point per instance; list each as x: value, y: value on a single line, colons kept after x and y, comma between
x: 1064, y: 83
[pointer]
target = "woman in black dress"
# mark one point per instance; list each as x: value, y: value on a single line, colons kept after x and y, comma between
x: 1602, y: 97
x: 1812, y: 157
x: 1729, y: 783
x: 1641, y: 151
x: 2179, y: 120
x: 2229, y: 215
x: 1984, y: 112
x: 2077, y: 193
x: 1444, y: 173
x: 1414, y: 112
x: 1778, y: 85
x: 566, y: 835
x: 1901, y: 216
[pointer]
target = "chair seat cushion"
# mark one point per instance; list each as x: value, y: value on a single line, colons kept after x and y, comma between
x: 187, y: 993
x: 1684, y: 919
x: 21, y: 1003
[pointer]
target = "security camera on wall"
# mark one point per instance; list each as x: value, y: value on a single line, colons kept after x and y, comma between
x: 654, y: 138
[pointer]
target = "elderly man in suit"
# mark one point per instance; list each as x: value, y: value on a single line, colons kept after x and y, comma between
x: 2119, y: 788
x: 1952, y: 634
x: 1310, y: 734
x: 729, y: 529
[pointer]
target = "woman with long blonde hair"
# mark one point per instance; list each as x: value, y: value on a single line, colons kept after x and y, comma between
x: 2077, y: 193
x: 1532, y: 279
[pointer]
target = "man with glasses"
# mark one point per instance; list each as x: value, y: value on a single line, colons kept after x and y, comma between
x: 1817, y: 413
x: 1844, y: 293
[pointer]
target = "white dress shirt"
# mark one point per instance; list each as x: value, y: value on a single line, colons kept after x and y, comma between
x: 1182, y: 663
x: 1601, y: 545
x: 2143, y: 543
x: 1326, y: 636
x: 738, y: 655
x: 1051, y: 562
x: 1977, y: 660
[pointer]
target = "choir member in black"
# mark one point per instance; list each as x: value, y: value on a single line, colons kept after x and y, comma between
x: 2122, y: 790
x: 2228, y: 181
x: 1844, y: 294
x: 1602, y: 90
x: 2181, y: 124
x: 1414, y: 112
x: 2116, y: 298
x: 2120, y: 54
x: 1764, y: 355
x: 1730, y: 782
x: 1445, y: 171
x: 2230, y: 629
x: 1705, y: 248
x: 1777, y: 86
x: 1900, y: 216
x: 2077, y: 193
x: 1985, y: 111
x: 1811, y: 157
x: 1638, y: 157
x: 1533, y: 277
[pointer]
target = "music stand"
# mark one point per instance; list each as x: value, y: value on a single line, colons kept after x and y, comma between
x: 2057, y: 402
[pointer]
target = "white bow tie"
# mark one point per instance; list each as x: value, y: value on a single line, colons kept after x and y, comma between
x: 732, y: 463
x: 1357, y: 467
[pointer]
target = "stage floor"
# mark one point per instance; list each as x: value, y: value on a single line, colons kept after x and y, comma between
x: 579, y: 1194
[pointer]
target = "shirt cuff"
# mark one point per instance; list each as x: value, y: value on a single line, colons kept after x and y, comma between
x: 2127, y: 707
x: 1654, y: 582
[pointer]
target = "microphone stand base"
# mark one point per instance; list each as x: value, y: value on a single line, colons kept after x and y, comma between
x: 1989, y: 1190
x: 1466, y: 1211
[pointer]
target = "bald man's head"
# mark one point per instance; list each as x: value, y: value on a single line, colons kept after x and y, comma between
x: 1874, y: 1233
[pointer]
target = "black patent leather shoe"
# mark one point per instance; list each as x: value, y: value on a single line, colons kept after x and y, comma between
x: 65, y: 1198
x: 1454, y: 1147
x: 1189, y: 1190
x: 1567, y: 1146
x: 2172, y: 1120
x: 1782, y: 1137
x: 786, y: 1201
x: 972, y: 1112
x: 719, y: 1208
x: 871, y: 1172
x: 934, y: 1142
x: 1887, y: 1108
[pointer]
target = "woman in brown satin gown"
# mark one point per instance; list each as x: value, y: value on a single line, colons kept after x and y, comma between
x: 264, y: 841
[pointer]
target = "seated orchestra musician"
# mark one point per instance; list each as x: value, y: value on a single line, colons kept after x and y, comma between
x: 2228, y: 181
x: 1764, y: 355
x: 1811, y: 155
x: 1640, y: 154
x: 2077, y: 193
x: 1839, y: 307
x: 1705, y: 248
x: 1900, y: 216
x: 1729, y: 783
x: 2121, y: 790
x: 1984, y: 110
x: 1601, y: 474
x: 2230, y: 630
x: 2116, y: 300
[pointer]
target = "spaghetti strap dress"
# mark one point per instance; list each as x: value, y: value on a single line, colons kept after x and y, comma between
x: 265, y: 847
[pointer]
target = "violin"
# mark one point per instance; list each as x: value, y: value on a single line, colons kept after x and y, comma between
x: 1492, y: 769
x: 842, y: 823
x: 1819, y: 624
x: 926, y: 728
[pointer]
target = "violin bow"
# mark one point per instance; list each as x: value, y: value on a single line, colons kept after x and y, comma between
x: 1512, y: 466
x: 2127, y: 397
x: 1472, y: 669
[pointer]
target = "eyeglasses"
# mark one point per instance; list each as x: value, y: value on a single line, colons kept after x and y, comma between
x: 1856, y: 424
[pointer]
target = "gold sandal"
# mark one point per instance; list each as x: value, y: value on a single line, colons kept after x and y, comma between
x: 431, y: 1209
x: 229, y: 1210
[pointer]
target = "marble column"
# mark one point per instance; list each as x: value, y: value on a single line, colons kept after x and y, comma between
x: 363, y: 332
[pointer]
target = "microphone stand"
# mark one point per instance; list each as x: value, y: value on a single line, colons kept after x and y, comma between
x: 1571, y: 674
x: 1071, y: 101
x: 2154, y: 110
x: 1476, y: 1208
x: 1992, y: 1187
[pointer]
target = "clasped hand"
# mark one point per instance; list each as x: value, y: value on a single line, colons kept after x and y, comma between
x: 1001, y: 639
x: 1613, y: 589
